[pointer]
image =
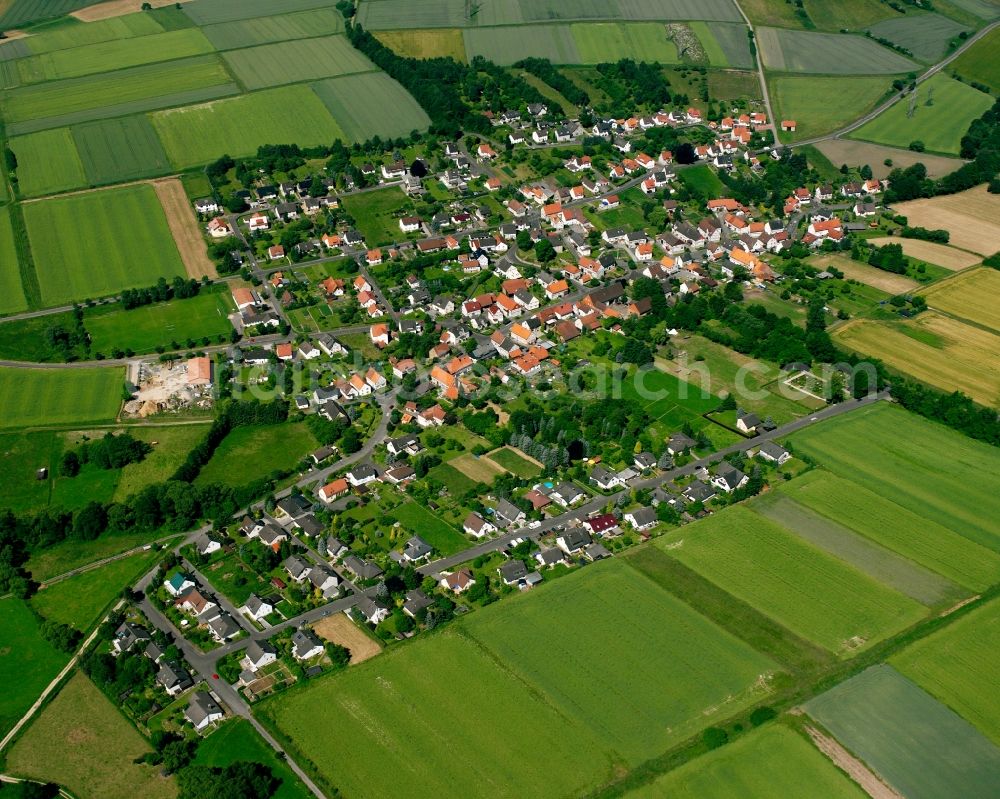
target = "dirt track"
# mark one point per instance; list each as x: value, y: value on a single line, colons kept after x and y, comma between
x: 855, y: 769
x: 117, y: 8
x: 341, y: 630
x: 184, y: 228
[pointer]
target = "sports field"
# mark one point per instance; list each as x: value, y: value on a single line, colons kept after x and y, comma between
x: 47, y: 162
x: 295, y: 61
x: 902, y: 453
x: 942, y: 549
x: 80, y: 600
x: 358, y: 104
x: 980, y: 62
x: 12, y: 297
x: 36, y: 397
x: 97, y: 748
x: 785, y: 50
x: 263, y: 30
x: 143, y: 329
x: 290, y: 115
x: 942, y: 112
x: 546, y: 723
x: 971, y: 295
x: 769, y: 762
x: 27, y: 667
x: 919, y: 746
x: 933, y: 253
x: 924, y: 35
x: 119, y: 150
x: 957, y: 665
x: 971, y: 217
x: 254, y: 452
x: 514, y: 462
x: 815, y: 595
x: 124, y: 230
x: 807, y: 101
x: 941, y: 351
x: 417, y: 520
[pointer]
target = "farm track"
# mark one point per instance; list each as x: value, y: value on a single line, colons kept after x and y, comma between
x: 855, y: 769
x: 184, y: 228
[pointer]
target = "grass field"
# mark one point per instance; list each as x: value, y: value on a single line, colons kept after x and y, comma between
x: 812, y: 593
x: 956, y: 665
x: 79, y: 600
x: 20, y: 12
x: 51, y: 102
x: 507, y: 45
x: 47, y: 162
x: 73, y: 34
x: 546, y: 723
x: 942, y: 113
x: 34, y: 397
x: 96, y: 744
x: 937, y: 547
x: 601, y: 42
x: 12, y: 297
x: 480, y: 469
x: 732, y: 85
x: 785, y: 50
x: 833, y: 15
x: 417, y: 520
x: 263, y: 30
x: 295, y: 61
x: 980, y: 63
x: 933, y: 253
x: 902, y: 453
x: 515, y: 463
x: 924, y: 35
x: 377, y: 212
x: 849, y: 151
x: 238, y: 740
x: 969, y: 216
x: 918, y: 745
x: 234, y: 10
x: 123, y: 229
x: 27, y: 661
x: 939, y: 350
x: 702, y: 179
x: 170, y: 447
x: 971, y: 295
x: 727, y: 45
x: 143, y: 329
x: 446, y: 42
x: 457, y: 483
x: 21, y: 455
x: 807, y: 101
x: 201, y: 133
x: 358, y: 103
x: 119, y: 150
x: 773, y: 761
x: 253, y: 452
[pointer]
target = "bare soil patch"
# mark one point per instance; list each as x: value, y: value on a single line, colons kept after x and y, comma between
x: 933, y: 253
x: 184, y: 228
x: 972, y: 217
x: 339, y: 629
x: 855, y: 769
x: 117, y: 8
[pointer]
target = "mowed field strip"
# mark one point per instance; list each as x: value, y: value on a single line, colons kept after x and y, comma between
x: 548, y: 726
x: 972, y: 217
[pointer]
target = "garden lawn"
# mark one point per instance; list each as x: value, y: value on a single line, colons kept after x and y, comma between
x: 943, y: 111
x: 919, y: 746
x: 27, y: 661
x: 769, y: 762
x: 238, y: 740
x: 97, y: 748
x: 98, y: 243
x: 197, y: 134
x: 79, y: 600
x: 143, y: 329
x: 255, y: 452
x: 702, y: 180
x: 39, y: 397
x: 12, y: 297
x: 457, y: 482
x: 47, y: 162
x: 957, y: 665
x: 417, y: 520
x: 377, y: 213
x: 515, y: 463
x: 358, y: 103
x: 812, y: 593
x: 915, y: 463
x: 807, y: 101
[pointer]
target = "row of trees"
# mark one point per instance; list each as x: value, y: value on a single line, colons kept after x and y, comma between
x: 161, y: 291
x: 110, y: 452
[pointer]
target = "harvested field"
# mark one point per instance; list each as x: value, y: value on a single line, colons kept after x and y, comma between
x: 932, y: 252
x: 936, y: 349
x: 118, y: 8
x: 184, y: 228
x: 482, y: 470
x: 863, y: 273
x: 339, y: 629
x: 848, y: 151
x: 972, y: 217
x: 973, y: 295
